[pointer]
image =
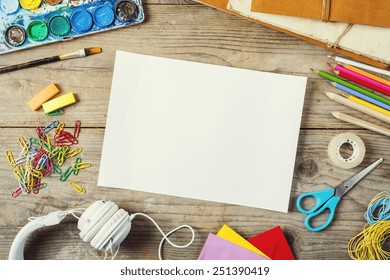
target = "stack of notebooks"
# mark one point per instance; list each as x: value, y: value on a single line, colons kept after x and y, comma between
x: 229, y: 245
x: 354, y: 28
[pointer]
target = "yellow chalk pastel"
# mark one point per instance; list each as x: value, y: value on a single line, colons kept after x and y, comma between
x: 43, y: 96
x: 59, y: 102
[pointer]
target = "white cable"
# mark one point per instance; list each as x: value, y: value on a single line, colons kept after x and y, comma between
x: 65, y: 213
x: 165, y: 236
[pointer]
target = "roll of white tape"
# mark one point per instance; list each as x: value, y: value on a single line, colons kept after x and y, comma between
x: 358, y: 150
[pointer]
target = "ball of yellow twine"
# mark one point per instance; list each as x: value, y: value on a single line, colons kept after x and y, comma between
x: 368, y: 244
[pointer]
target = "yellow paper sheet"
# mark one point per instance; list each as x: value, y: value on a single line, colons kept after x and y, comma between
x: 229, y: 234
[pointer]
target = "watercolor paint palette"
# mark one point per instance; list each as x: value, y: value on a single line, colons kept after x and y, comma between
x: 30, y: 23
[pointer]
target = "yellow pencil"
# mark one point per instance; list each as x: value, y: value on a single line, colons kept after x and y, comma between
x: 345, y: 101
x: 360, y: 123
x: 366, y: 104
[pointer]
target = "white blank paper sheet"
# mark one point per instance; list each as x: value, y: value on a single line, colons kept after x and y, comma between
x: 202, y: 131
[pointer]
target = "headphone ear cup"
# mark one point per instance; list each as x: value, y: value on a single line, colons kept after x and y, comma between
x: 118, y: 235
x: 111, y: 227
x: 94, y: 218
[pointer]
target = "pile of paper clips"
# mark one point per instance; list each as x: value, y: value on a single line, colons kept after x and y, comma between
x: 45, y: 155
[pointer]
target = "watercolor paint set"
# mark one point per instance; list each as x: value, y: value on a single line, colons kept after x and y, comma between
x: 30, y: 23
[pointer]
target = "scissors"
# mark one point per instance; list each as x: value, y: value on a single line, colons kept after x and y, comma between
x: 329, y: 198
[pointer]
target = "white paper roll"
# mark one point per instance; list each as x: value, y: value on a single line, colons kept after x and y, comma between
x: 358, y: 150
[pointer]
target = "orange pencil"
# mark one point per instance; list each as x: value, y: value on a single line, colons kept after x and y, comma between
x: 366, y: 74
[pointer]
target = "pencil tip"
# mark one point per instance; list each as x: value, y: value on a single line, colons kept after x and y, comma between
x: 330, y: 113
x: 332, y: 65
x: 314, y: 70
x: 93, y: 50
x: 331, y: 56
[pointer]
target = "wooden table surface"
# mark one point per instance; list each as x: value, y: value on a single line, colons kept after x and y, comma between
x: 189, y: 31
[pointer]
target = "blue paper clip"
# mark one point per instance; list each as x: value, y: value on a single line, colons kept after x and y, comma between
x: 50, y: 126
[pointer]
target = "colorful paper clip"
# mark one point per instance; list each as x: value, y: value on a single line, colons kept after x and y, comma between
x: 81, y: 165
x: 40, y: 132
x: 73, y: 152
x: 76, y: 131
x: 59, y: 128
x: 44, y: 155
x: 50, y: 126
x: 77, y: 187
x: 54, y: 152
x: 65, y: 175
x: 55, y: 113
x: 10, y: 158
x: 17, y: 192
x: 42, y: 162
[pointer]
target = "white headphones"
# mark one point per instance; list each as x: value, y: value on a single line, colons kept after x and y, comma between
x: 102, y: 224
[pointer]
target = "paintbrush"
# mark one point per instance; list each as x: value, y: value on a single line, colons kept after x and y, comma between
x: 46, y: 60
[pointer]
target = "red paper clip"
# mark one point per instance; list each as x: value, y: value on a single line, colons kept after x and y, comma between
x: 40, y: 133
x: 77, y: 127
x: 17, y: 192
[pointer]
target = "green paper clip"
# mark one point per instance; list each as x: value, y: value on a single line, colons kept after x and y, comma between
x: 66, y: 174
x: 57, y: 169
x: 55, y: 113
x: 76, y: 171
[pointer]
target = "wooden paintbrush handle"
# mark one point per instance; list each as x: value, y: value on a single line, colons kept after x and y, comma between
x: 30, y: 64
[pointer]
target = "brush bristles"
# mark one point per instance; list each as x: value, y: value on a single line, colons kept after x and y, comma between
x: 90, y: 51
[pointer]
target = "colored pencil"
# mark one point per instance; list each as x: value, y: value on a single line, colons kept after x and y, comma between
x: 360, y: 65
x: 372, y: 97
x: 366, y: 104
x: 42, y: 61
x: 350, y: 85
x: 357, y: 106
x: 361, y: 123
x: 360, y: 79
x: 366, y: 74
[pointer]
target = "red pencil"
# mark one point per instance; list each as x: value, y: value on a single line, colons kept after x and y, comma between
x: 360, y: 79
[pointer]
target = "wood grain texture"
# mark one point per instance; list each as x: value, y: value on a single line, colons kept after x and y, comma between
x: 183, y: 30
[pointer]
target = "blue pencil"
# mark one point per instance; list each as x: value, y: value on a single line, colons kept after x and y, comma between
x: 360, y: 95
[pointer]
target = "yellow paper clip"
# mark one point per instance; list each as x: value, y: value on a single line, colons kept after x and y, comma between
x: 77, y: 187
x: 61, y: 155
x: 73, y: 152
x: 59, y: 128
x: 24, y: 145
x: 36, y: 173
x: 19, y: 173
x: 54, y: 152
x: 48, y: 141
x: 44, y: 145
x: 30, y: 182
x: 10, y: 158
x: 81, y: 165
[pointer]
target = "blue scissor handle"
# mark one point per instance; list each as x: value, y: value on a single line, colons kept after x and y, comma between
x: 331, y: 205
x: 320, y: 196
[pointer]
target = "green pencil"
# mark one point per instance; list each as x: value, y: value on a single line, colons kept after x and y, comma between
x: 351, y: 86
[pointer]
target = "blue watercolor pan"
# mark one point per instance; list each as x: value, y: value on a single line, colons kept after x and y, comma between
x: 30, y: 23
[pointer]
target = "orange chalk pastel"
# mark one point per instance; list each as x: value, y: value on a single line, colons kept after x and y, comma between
x: 43, y: 96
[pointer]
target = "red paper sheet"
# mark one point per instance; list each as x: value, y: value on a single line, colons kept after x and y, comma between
x: 273, y: 243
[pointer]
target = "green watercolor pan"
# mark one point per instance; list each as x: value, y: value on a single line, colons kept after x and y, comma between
x: 30, y: 23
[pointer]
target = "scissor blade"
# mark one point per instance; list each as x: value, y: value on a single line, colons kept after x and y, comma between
x: 345, y: 186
